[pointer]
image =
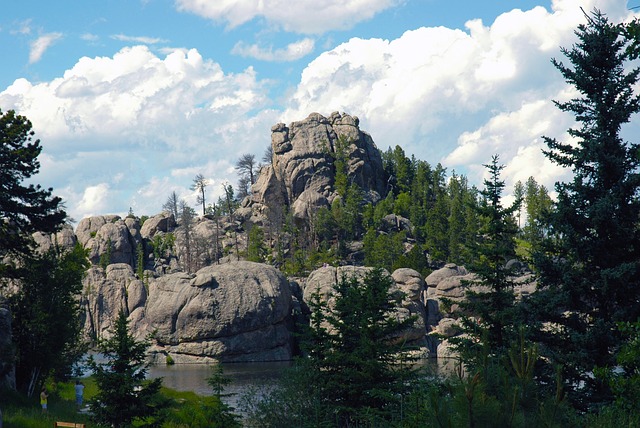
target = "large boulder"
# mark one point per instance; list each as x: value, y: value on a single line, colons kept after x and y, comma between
x: 158, y: 223
x: 110, y: 235
x: 408, y: 285
x: 232, y: 312
x: 237, y: 311
x: 302, y: 171
x: 105, y: 293
x: 64, y: 239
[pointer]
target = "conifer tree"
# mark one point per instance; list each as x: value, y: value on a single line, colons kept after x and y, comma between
x: 24, y: 209
x: 492, y: 319
x: 591, y: 276
x: 352, y: 360
x: 124, y: 394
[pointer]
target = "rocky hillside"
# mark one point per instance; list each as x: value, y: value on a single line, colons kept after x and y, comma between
x: 190, y: 286
x: 303, y: 170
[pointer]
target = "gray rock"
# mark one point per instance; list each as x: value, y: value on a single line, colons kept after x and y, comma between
x: 232, y: 312
x: 65, y: 239
x: 158, y: 223
x: 448, y: 270
x: 303, y: 164
x: 88, y: 227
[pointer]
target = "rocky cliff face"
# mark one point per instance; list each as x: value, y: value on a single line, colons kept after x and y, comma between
x: 302, y: 171
x: 231, y: 312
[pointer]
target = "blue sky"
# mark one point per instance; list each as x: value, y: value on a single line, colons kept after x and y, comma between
x: 132, y: 99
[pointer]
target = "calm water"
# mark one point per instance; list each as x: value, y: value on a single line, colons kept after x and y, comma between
x: 193, y: 377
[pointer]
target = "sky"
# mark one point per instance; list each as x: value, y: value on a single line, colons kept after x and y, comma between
x: 131, y: 99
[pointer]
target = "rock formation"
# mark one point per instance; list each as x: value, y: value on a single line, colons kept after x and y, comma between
x: 407, y: 282
x: 302, y: 170
x: 452, y: 282
x: 231, y: 312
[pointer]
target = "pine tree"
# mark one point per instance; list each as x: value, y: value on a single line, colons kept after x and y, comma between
x: 352, y: 359
x: 492, y: 312
x: 592, y: 273
x: 124, y: 394
x: 23, y: 209
x: 46, y: 329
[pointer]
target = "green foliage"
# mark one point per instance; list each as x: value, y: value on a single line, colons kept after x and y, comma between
x: 352, y: 361
x: 492, y: 314
x: 340, y: 156
x: 590, y: 265
x: 124, y: 395
x: 162, y: 244
x: 624, y: 378
x: 383, y: 250
x: 140, y: 259
x: 46, y: 313
x: 256, y: 249
x: 23, y: 209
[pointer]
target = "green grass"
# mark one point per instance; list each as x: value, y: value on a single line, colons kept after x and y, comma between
x: 187, y: 409
x: 19, y: 411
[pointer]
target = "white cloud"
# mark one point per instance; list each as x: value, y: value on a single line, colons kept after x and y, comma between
x: 292, y: 52
x: 23, y: 27
x: 138, y: 39
x: 41, y: 44
x: 122, y: 119
x: 455, y: 96
x: 94, y: 200
x: 300, y: 16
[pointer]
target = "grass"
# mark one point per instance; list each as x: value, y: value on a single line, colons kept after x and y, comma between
x: 19, y: 411
x: 187, y: 409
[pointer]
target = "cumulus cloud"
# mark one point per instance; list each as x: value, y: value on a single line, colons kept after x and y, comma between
x: 138, y: 39
x: 41, y: 44
x: 292, y: 52
x: 94, y: 200
x: 301, y: 16
x: 454, y: 96
x: 125, y: 118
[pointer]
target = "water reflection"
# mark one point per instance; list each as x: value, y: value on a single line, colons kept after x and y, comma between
x: 193, y: 377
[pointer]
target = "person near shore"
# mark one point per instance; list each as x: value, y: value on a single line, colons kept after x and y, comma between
x: 43, y: 399
x: 79, y: 393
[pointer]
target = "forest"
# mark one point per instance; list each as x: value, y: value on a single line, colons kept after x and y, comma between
x: 566, y: 355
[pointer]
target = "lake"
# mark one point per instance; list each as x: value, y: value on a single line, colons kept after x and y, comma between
x: 193, y: 377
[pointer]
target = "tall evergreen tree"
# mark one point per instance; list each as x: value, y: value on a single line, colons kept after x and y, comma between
x: 23, y: 209
x: 351, y: 358
x: 46, y: 316
x: 592, y: 273
x: 124, y: 395
x: 492, y: 311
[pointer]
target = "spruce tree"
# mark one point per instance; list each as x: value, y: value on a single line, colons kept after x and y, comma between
x: 492, y: 321
x: 591, y: 275
x: 124, y: 394
x: 351, y: 358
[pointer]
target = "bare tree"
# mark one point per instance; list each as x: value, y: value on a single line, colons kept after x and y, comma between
x: 187, y: 215
x: 267, y: 156
x: 243, y: 187
x: 199, y: 184
x: 246, y: 167
x: 172, y: 205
